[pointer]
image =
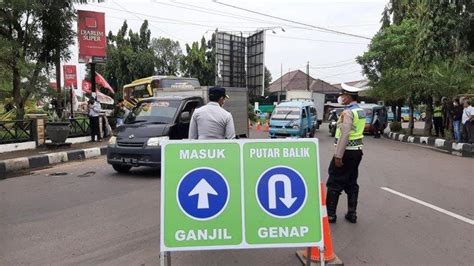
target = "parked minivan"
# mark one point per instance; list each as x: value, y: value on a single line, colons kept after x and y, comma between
x: 294, y: 119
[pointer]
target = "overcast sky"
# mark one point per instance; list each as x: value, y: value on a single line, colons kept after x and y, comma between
x: 330, y: 56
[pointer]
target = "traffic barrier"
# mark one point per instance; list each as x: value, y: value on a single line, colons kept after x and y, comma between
x: 259, y: 126
x: 329, y: 256
x: 267, y: 127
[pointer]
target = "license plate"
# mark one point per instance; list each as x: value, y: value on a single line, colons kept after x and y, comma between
x: 129, y: 160
x: 282, y: 131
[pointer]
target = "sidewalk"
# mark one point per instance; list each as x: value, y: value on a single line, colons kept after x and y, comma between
x: 448, y: 146
x: 44, y: 156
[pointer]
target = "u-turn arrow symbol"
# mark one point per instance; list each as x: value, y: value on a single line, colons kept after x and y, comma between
x: 288, y: 200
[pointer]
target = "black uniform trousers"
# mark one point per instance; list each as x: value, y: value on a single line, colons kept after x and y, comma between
x: 345, y: 177
x: 94, y: 127
x: 438, y: 125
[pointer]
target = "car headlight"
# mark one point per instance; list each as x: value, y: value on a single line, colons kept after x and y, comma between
x: 155, y: 141
x: 296, y: 126
x: 112, y: 140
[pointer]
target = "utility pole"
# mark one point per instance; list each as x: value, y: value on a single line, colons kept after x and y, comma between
x: 307, y: 76
x: 281, y: 83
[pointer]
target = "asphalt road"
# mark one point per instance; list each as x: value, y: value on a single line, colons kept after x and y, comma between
x: 83, y: 213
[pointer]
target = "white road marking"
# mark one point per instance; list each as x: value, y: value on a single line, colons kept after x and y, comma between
x: 457, y: 216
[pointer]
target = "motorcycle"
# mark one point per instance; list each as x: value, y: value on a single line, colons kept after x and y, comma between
x: 333, y: 117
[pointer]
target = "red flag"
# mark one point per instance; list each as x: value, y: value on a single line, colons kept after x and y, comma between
x: 101, y: 81
x: 86, y: 86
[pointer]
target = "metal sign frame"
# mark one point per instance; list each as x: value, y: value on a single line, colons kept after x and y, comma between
x: 249, y: 201
x: 230, y: 60
x: 255, y: 63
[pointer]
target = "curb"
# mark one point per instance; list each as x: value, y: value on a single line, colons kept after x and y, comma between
x: 37, y: 161
x: 459, y: 149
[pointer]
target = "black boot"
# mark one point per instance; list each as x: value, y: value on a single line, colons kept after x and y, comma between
x: 351, y: 214
x: 331, y: 203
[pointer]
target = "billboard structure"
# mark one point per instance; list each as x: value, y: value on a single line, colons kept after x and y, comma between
x: 92, y: 38
x: 255, y: 63
x: 230, y: 60
x: 240, y: 61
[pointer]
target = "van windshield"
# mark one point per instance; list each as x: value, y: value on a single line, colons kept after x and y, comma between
x: 162, y: 112
x: 286, y: 113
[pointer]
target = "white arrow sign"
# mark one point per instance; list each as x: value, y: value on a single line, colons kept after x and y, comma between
x: 288, y: 200
x: 203, y: 189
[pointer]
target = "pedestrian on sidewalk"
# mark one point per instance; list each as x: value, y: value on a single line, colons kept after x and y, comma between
x: 468, y: 121
x: 212, y: 121
x: 119, y: 113
x: 447, y: 118
x: 456, y: 114
x: 93, y: 109
x: 438, y: 119
x: 344, y: 167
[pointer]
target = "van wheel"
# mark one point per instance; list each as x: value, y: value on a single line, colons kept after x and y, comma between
x: 312, y: 132
x: 121, y: 168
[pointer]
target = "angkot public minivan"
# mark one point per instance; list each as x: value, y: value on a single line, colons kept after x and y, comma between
x: 294, y: 119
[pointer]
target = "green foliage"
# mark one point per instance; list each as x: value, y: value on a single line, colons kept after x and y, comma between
x: 129, y: 56
x: 251, y: 113
x: 395, y: 126
x: 199, y: 62
x: 33, y: 35
x: 268, y: 79
x: 168, y: 56
x: 424, y: 53
x: 386, y: 63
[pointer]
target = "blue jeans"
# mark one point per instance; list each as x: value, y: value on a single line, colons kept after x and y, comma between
x: 457, y: 130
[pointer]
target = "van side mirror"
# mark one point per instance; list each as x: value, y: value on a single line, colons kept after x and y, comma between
x: 185, y: 117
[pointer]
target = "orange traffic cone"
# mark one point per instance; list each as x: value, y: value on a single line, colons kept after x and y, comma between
x: 267, y: 127
x: 259, y: 126
x: 329, y: 255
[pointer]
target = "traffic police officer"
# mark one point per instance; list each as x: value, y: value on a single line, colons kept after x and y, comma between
x: 212, y: 121
x: 343, y: 170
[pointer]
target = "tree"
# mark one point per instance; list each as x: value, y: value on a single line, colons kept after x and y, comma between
x: 268, y: 80
x: 425, y: 53
x: 168, y: 56
x: 386, y: 62
x: 57, y: 18
x: 129, y: 56
x: 34, y: 35
x: 198, y: 62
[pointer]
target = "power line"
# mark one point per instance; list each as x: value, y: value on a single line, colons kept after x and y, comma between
x: 163, y: 20
x: 293, y: 21
x: 124, y: 9
x: 340, y: 74
x: 208, y: 11
x: 334, y: 66
x: 339, y: 62
x: 228, y: 14
x: 314, y: 40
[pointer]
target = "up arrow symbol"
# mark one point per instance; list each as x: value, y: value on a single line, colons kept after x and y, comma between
x: 202, y: 189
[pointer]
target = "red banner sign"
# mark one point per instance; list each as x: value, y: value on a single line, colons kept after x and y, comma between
x: 86, y: 86
x: 70, y: 76
x: 91, y: 33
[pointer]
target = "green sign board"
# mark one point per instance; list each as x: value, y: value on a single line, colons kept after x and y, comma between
x: 229, y: 194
